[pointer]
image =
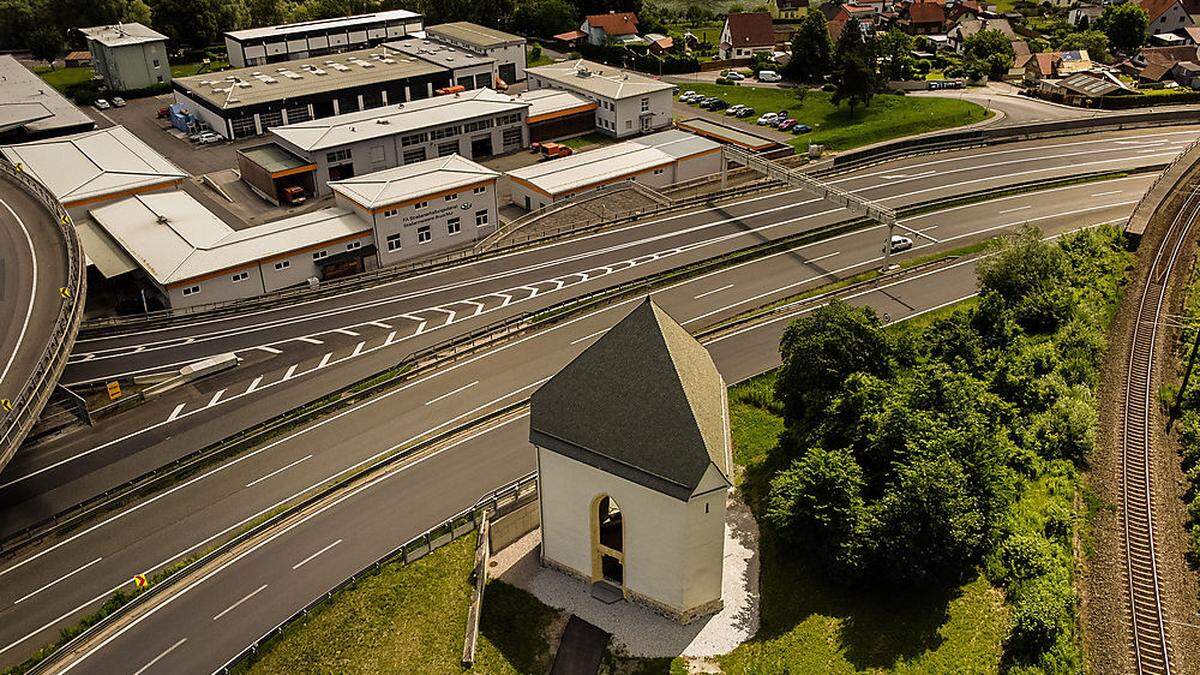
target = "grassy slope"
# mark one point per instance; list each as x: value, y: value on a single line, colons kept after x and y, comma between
x: 411, y: 620
x: 61, y: 78
x: 888, y: 116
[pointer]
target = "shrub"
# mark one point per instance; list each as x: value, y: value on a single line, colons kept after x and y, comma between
x: 1025, y: 557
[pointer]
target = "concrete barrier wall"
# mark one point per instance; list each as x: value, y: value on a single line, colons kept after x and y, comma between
x: 1161, y: 190
x: 509, y: 528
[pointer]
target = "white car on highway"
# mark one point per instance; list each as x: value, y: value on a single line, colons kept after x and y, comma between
x: 900, y: 243
x: 768, y: 118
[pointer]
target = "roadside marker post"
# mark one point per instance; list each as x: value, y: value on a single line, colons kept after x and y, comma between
x: 140, y: 581
x: 114, y: 390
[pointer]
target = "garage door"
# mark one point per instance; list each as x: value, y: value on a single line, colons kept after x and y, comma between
x: 508, y: 72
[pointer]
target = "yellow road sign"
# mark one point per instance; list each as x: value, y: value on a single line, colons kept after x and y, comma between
x: 6, y: 404
x: 114, y: 391
x: 64, y: 291
x: 141, y: 581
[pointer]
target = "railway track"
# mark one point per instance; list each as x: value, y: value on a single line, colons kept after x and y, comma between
x: 1151, y: 645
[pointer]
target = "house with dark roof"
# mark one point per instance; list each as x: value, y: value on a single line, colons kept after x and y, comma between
x: 1165, y: 16
x: 634, y: 466
x: 599, y: 28
x: 968, y: 27
x: 1154, y: 64
x: 923, y: 18
x: 746, y: 34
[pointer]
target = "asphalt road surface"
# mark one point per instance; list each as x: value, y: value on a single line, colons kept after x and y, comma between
x: 33, y: 266
x: 45, y: 589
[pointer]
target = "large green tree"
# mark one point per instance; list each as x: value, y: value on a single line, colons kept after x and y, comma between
x: 812, y: 53
x: 1094, y: 41
x: 854, y: 76
x: 1125, y: 25
x: 992, y: 49
x: 894, y: 51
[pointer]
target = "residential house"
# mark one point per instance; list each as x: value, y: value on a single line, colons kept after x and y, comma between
x: 966, y: 9
x: 1084, y: 16
x: 967, y: 27
x: 923, y: 18
x: 1187, y: 74
x: 599, y: 28
x: 1050, y: 65
x: 790, y: 10
x: 1021, y: 54
x: 1154, y: 64
x: 745, y: 35
x: 80, y: 59
x: 1166, y: 16
x: 1190, y: 35
x: 659, y: 44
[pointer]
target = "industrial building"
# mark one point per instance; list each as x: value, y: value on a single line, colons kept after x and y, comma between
x: 467, y: 70
x: 98, y: 167
x: 128, y: 56
x: 475, y: 124
x: 556, y: 114
x: 248, y: 101
x: 31, y: 109
x: 423, y: 208
x: 309, y: 39
x: 185, y: 255
x: 507, y: 50
x: 656, y: 161
x: 628, y: 103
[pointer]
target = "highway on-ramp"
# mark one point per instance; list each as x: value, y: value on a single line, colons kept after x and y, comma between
x: 46, y: 588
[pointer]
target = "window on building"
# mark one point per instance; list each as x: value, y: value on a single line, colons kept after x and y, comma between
x: 338, y: 155
x: 446, y: 132
x: 480, y: 190
x: 481, y: 218
x: 159, y: 78
x: 645, y: 104
x: 241, y: 276
x: 512, y: 137
x: 353, y: 245
x: 393, y: 242
x: 424, y: 234
x: 453, y: 226
x: 413, y: 139
x: 416, y: 155
x: 658, y: 172
x: 477, y: 125
x: 378, y: 154
x: 391, y: 213
x: 156, y: 63
x: 316, y: 256
x: 452, y: 197
x: 444, y: 149
x: 628, y: 124
x: 420, y: 205
x: 283, y: 265
x: 191, y: 290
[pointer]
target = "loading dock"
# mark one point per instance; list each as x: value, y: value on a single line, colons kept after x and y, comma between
x: 271, y: 172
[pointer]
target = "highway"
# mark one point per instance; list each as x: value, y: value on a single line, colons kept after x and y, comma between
x: 44, y: 589
x: 33, y: 266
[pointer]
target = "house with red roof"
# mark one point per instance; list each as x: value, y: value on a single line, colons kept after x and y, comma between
x: 599, y: 28
x: 1166, y: 16
x: 923, y: 18
x: 745, y: 35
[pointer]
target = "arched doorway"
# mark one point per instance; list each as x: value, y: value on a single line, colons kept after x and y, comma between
x: 608, y: 541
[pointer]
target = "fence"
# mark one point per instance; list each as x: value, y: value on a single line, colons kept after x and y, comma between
x: 28, y: 403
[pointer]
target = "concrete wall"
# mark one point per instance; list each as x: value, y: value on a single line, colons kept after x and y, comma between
x: 130, y: 67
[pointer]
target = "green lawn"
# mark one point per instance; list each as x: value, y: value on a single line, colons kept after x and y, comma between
x: 61, y: 78
x: 587, y: 140
x: 188, y: 69
x: 889, y: 116
x: 541, y: 60
x: 410, y: 619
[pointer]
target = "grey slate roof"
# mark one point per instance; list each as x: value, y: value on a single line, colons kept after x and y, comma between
x: 644, y: 402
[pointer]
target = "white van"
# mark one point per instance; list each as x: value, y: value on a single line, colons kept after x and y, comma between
x: 768, y: 76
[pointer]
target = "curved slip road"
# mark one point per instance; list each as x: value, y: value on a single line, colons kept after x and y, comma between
x: 33, y: 266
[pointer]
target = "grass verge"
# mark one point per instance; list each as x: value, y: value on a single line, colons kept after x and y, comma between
x: 889, y: 116
x: 61, y: 78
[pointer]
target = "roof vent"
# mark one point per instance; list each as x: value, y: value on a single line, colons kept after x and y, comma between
x: 162, y: 220
x: 383, y: 121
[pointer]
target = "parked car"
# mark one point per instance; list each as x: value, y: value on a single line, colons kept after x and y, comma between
x: 801, y: 129
x: 208, y: 138
x: 163, y: 112
x: 733, y: 109
x: 768, y: 76
x: 101, y: 104
x: 686, y: 95
x: 118, y: 102
x: 747, y: 112
x: 735, y: 76
x: 787, y: 125
x: 717, y: 104
x: 293, y: 195
x: 900, y: 243
x: 552, y: 150
x: 768, y: 118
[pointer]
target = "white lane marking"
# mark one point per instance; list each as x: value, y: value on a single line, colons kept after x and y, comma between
x: 269, y: 350
x: 358, y: 349
x: 290, y: 371
x: 390, y: 338
x: 216, y: 397
x: 585, y: 338
x: 64, y: 577
x: 325, y: 360
x: 310, y: 340
x: 176, y: 411
x: 1015, y: 208
x: 705, y: 294
x: 254, y: 384
x: 909, y: 175
x: 1107, y: 194
x: 278, y: 471
x: 160, y: 657
x: 309, y: 558
x: 298, y: 522
x: 380, y: 324
x: 33, y: 290
x: 345, y: 331
x: 236, y: 604
x: 451, y: 393
x: 830, y: 255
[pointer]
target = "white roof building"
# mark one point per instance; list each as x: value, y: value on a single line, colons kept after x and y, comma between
x: 605, y: 81
x: 413, y: 182
x: 122, y: 34
x: 35, y: 108
x: 340, y: 130
x: 95, y: 166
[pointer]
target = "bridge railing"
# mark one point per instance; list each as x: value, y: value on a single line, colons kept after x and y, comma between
x: 21, y: 412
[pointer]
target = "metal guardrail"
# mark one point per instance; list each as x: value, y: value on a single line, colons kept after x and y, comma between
x: 491, y: 506
x: 558, y: 205
x: 28, y: 403
x: 414, y: 549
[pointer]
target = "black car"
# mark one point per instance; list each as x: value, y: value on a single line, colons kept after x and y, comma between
x: 718, y: 104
